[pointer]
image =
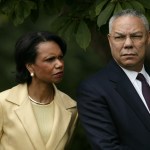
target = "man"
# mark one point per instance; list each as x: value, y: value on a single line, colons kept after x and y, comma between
x: 111, y: 105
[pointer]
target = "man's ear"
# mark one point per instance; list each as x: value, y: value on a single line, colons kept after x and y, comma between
x: 149, y: 38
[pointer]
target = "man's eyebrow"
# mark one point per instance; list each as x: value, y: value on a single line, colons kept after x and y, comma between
x: 119, y: 33
x: 136, y: 33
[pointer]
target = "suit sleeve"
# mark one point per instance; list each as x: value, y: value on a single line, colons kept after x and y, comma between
x: 96, y: 118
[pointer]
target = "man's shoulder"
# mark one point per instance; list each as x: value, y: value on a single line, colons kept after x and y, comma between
x: 110, y: 71
x: 101, y: 74
x: 94, y: 79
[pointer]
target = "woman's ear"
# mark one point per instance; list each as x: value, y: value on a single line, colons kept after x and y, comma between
x: 29, y: 67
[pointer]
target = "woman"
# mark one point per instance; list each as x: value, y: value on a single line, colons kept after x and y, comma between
x: 35, y: 115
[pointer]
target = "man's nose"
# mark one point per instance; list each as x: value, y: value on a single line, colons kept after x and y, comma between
x: 128, y: 42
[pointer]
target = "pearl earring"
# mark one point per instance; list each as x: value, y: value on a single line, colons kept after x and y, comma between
x: 32, y: 74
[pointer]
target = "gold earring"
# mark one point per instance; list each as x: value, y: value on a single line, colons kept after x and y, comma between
x: 32, y: 74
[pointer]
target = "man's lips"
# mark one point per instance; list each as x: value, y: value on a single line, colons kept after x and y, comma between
x: 130, y: 54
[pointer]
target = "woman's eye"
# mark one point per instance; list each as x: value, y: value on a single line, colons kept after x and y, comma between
x: 60, y: 57
x: 51, y: 59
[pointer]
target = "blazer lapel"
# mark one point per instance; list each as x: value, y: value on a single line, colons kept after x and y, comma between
x: 26, y: 115
x: 62, y: 118
x: 27, y: 118
x: 130, y: 95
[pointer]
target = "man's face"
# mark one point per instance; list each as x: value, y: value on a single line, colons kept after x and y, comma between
x: 128, y: 41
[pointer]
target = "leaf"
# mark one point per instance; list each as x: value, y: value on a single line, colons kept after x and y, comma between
x: 145, y: 3
x: 58, y: 23
x: 126, y: 5
x: 7, y: 7
x: 105, y: 14
x: 118, y: 8
x: 59, y: 4
x: 69, y: 31
x: 92, y: 12
x: 49, y: 7
x: 28, y: 6
x: 100, y: 6
x: 83, y: 35
x: 138, y: 6
x: 22, y: 10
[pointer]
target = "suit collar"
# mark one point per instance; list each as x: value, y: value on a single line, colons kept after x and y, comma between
x: 62, y: 118
x: 63, y: 100
x: 26, y: 116
x: 19, y: 96
x: 127, y: 91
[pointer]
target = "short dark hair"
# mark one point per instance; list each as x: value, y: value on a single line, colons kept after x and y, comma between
x: 26, y: 51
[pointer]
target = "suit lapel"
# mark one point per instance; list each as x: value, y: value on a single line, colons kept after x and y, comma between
x: 27, y: 118
x: 62, y: 118
x: 130, y: 95
x: 26, y: 115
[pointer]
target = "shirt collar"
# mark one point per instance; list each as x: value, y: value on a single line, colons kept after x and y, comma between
x: 133, y: 74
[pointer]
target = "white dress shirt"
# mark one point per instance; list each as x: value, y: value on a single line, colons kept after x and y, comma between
x: 136, y: 83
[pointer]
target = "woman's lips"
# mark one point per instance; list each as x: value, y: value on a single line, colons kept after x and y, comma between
x: 59, y: 74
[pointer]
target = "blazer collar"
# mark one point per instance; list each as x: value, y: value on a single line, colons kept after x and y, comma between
x: 62, y: 117
x: 26, y: 116
x: 19, y: 96
x: 128, y: 92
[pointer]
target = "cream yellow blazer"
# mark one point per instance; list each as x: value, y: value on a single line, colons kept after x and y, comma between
x: 18, y: 127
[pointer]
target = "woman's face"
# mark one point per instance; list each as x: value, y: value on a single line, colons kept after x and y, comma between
x: 49, y: 64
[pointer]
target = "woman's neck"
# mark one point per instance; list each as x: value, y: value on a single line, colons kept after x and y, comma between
x: 41, y: 93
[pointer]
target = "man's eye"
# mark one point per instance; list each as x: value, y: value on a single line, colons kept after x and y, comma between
x: 136, y: 36
x: 119, y: 37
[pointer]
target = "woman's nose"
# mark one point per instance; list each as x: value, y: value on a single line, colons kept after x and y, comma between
x: 59, y: 63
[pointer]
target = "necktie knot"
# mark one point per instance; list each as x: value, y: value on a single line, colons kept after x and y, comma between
x: 141, y: 77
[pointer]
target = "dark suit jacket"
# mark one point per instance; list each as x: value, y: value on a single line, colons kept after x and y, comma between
x: 112, y: 112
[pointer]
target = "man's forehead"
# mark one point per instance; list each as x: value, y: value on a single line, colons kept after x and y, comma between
x: 127, y: 20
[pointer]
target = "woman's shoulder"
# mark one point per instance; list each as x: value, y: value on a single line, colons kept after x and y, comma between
x: 7, y: 92
x: 66, y: 97
x: 4, y: 93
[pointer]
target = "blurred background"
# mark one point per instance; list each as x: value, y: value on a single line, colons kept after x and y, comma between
x: 79, y: 63
x: 84, y: 26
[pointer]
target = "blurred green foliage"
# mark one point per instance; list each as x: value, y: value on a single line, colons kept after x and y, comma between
x: 78, y: 63
x: 82, y: 23
x: 75, y: 17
